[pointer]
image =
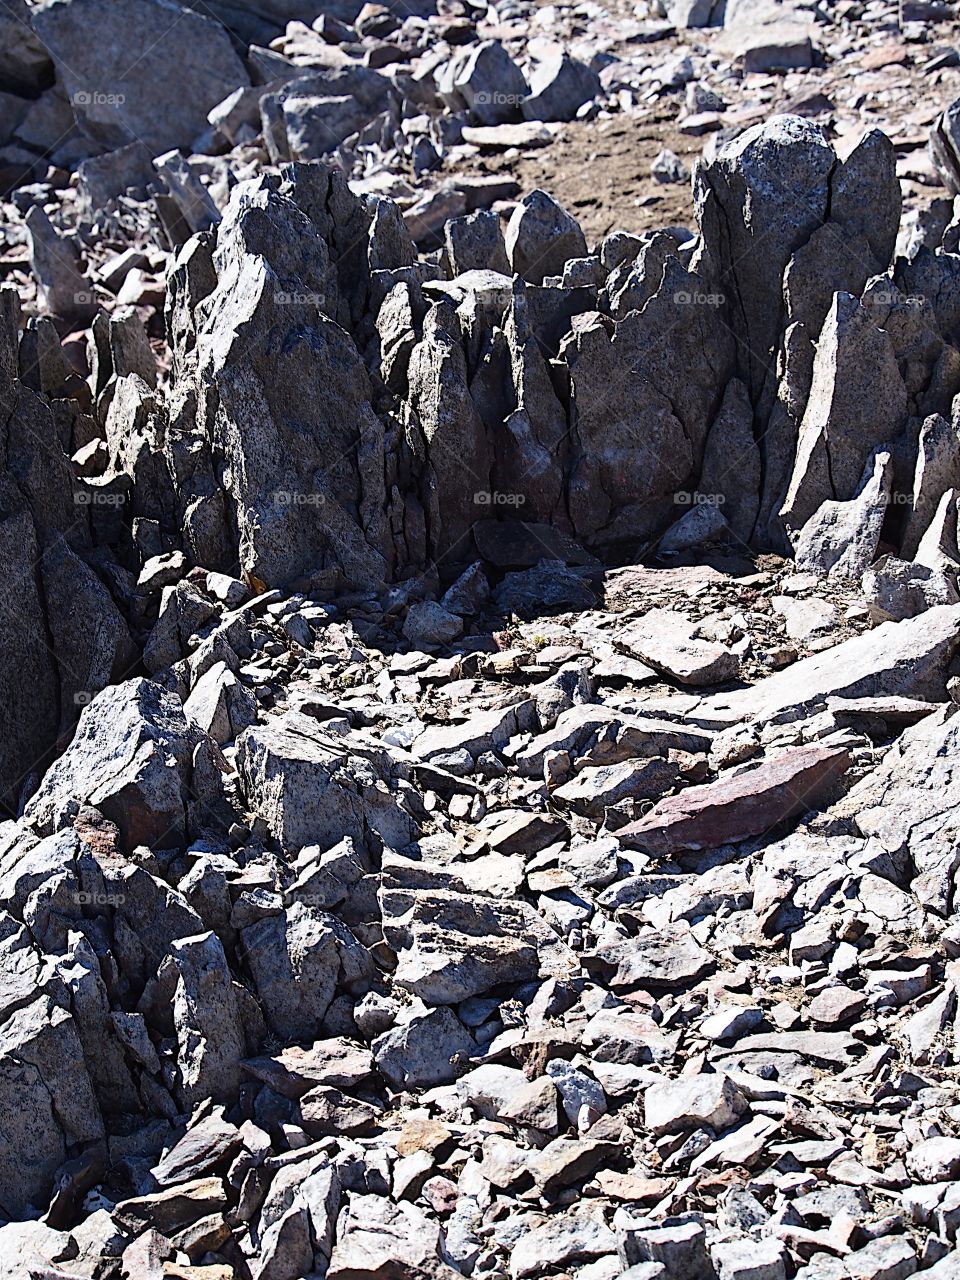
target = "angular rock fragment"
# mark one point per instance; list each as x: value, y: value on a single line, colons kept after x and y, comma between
x: 130, y: 759
x: 118, y: 63
x: 668, y: 642
x: 748, y: 804
x: 451, y: 946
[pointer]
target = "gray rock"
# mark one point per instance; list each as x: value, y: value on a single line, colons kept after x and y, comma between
x: 668, y: 642
x: 749, y: 1260
x: 294, y: 960
x: 844, y: 422
x: 678, y: 1243
x: 423, y: 1049
x: 55, y: 264
x: 560, y: 1241
x: 451, y: 946
x: 704, y: 523
x: 934, y: 1159
x: 207, y: 1020
x: 24, y: 62
x: 908, y: 658
x: 559, y: 86
x: 429, y: 623
x: 298, y: 782
x: 541, y: 236
x: 488, y: 82
x: 377, y: 1237
x: 897, y: 589
x: 841, y: 538
x: 130, y: 759
x: 692, y: 1102
x: 667, y: 167
x: 117, y: 65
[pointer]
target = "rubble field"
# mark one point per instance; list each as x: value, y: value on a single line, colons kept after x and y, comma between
x: 480, y: 655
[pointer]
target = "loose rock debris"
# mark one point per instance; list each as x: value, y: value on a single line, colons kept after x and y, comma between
x: 480, y: 697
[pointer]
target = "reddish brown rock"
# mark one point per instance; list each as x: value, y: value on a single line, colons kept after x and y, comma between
x: 739, y: 807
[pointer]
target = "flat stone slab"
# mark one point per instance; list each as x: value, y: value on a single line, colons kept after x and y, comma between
x: 739, y: 807
x: 668, y: 642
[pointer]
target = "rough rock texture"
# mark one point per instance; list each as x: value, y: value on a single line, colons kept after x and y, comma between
x: 479, y: 694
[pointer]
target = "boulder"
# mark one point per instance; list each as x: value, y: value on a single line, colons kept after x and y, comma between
x: 840, y: 539
x: 668, y: 642
x: 118, y: 58
x: 541, y: 236
x: 309, y: 790
x: 207, y: 1020
x: 451, y: 946
x: 130, y: 758
x: 559, y: 86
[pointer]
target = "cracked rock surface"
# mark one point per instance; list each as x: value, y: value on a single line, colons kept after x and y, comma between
x: 479, y: 733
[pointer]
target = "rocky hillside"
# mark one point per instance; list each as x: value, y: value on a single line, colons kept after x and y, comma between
x: 479, y: 737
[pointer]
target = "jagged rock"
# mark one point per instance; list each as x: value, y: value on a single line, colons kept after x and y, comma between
x: 668, y: 642
x: 559, y: 86
x: 424, y: 1048
x: 703, y: 523
x: 301, y: 486
x: 735, y: 490
x: 377, y: 1237
x: 488, y: 81
x: 24, y: 62
x: 130, y: 758
x: 187, y: 191
x: 897, y: 589
x: 45, y: 1079
x: 428, y: 623
x: 679, y: 1244
x: 592, y: 790
x: 548, y: 585
x: 656, y: 959
x: 694, y: 13
x: 295, y: 963
x: 841, y: 538
x: 691, y: 1103
x: 54, y: 261
x: 844, y: 422
x: 451, y: 946
x: 297, y: 1071
x: 905, y: 803
x: 749, y: 1260
x: 541, y: 236
x: 757, y: 202
x: 207, y: 1020
x: 908, y: 658
x: 299, y: 783
x: 573, y: 1239
x: 667, y: 167
x: 937, y: 470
